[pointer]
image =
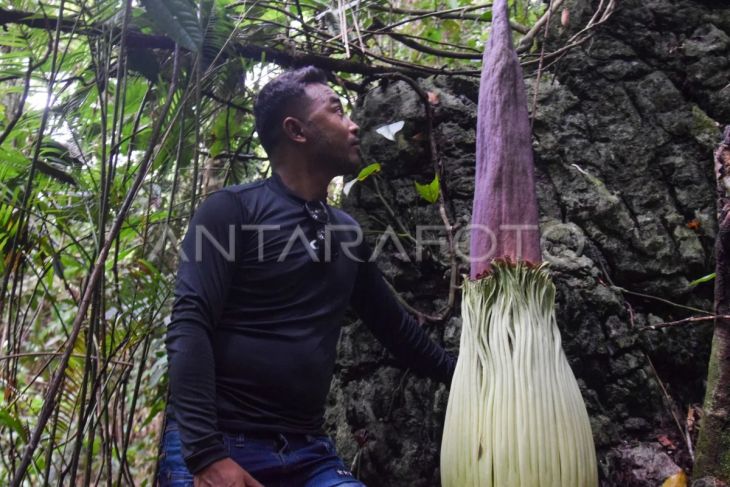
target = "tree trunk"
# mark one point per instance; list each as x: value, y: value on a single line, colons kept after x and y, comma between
x: 713, y: 450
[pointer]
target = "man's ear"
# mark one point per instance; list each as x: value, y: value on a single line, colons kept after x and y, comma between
x: 293, y: 129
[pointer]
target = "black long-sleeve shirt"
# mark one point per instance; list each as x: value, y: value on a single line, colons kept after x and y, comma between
x: 256, y: 318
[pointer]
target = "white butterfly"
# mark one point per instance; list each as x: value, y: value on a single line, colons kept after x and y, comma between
x: 389, y: 131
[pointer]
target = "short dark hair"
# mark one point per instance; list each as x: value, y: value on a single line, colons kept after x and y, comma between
x: 274, y: 101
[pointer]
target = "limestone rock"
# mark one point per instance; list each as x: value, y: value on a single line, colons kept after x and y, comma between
x: 623, y: 137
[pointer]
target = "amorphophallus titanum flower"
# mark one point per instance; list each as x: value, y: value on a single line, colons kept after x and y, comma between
x: 515, y: 416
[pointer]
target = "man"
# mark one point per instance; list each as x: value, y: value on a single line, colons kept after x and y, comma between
x: 266, y: 274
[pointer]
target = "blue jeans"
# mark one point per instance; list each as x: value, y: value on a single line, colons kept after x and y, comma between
x: 275, y: 460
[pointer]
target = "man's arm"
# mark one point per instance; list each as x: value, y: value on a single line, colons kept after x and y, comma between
x: 395, y: 328
x: 203, y: 280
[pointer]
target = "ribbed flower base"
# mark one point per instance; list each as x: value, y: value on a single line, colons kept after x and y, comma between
x: 515, y: 416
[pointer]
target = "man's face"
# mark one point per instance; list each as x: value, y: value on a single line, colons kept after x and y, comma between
x: 331, y: 135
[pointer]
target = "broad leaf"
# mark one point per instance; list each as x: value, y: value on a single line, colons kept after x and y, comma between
x: 365, y: 173
x: 702, y: 279
x: 178, y: 19
x: 368, y: 171
x: 10, y: 421
x: 430, y: 191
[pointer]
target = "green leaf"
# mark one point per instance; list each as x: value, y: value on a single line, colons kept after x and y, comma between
x: 156, y: 408
x: 430, y: 191
x: 433, y: 35
x: 217, y: 147
x: 178, y: 19
x: 10, y: 421
x: 487, y: 16
x: 364, y: 174
x: 368, y: 171
x: 702, y: 279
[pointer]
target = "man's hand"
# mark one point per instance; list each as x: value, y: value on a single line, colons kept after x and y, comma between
x: 225, y: 473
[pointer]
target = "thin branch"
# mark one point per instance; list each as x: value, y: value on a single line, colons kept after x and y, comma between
x: 671, y: 406
x: 422, y: 317
x: 51, y: 395
x: 305, y: 25
x: 57, y: 354
x: 234, y: 156
x: 292, y: 57
x: 685, y: 321
x: 26, y: 87
x: 661, y: 300
x: 67, y: 25
x: 599, y: 17
x: 391, y: 212
x: 438, y: 170
x: 432, y: 41
x: 449, y: 14
x: 526, y: 41
x: 430, y: 50
x: 298, y: 59
x: 623, y: 290
x: 135, y: 395
x: 540, y: 66
x: 214, y: 97
x: 430, y: 13
x: 23, y: 217
x: 285, y: 58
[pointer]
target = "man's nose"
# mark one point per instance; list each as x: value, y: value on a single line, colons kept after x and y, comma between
x: 353, y: 128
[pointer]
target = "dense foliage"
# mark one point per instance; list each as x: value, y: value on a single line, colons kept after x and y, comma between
x: 115, y: 119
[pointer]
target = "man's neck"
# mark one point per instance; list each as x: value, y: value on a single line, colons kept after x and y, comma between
x: 305, y: 184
